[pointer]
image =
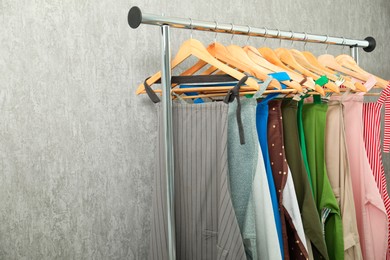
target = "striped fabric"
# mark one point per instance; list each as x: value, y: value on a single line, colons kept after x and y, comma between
x: 324, y: 215
x: 372, y: 140
x: 206, y: 226
x: 386, y: 138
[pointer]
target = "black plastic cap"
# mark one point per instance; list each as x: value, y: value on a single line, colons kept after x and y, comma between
x: 371, y: 44
x: 134, y: 18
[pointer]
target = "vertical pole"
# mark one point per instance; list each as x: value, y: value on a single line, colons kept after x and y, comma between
x: 168, y: 136
x: 355, y: 54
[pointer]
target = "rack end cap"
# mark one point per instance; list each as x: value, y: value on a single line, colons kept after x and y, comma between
x: 371, y: 44
x: 134, y: 18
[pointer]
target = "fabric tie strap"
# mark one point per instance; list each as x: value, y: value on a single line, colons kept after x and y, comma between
x: 369, y: 84
x: 303, y: 81
x: 321, y: 81
x: 232, y: 94
x: 385, y: 99
x: 152, y: 95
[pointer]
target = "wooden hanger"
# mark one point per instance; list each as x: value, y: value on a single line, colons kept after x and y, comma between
x: 195, y: 48
x: 269, y: 55
x: 330, y: 62
x: 238, y: 53
x: 259, y: 72
x: 256, y: 57
x: 313, y: 65
x: 289, y: 60
x: 348, y: 62
x: 204, y: 90
x: 234, y: 58
x: 216, y: 94
x: 301, y: 59
x: 309, y: 56
x: 313, y: 60
x: 241, y: 93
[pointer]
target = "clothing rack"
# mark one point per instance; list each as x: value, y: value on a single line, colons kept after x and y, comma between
x: 136, y: 17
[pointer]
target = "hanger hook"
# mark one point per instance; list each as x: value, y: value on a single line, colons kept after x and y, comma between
x: 191, y: 27
x: 215, y: 29
x: 327, y: 45
x: 343, y: 43
x: 231, y: 31
x: 291, y: 38
x: 265, y: 34
x: 278, y: 36
x: 305, y: 40
x: 249, y: 36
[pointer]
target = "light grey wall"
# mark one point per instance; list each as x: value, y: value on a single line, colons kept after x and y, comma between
x: 77, y: 146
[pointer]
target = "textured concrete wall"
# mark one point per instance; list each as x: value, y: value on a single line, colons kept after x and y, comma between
x: 77, y: 146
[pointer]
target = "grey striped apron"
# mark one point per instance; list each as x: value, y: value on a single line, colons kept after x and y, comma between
x: 206, y: 225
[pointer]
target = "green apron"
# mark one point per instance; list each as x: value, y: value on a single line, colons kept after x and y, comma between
x: 314, y: 123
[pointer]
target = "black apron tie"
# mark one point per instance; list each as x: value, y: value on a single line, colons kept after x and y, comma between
x: 152, y: 95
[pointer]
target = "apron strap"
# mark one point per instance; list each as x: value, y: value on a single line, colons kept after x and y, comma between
x: 232, y: 94
x: 385, y: 99
x: 317, y: 99
x: 369, y: 84
x: 181, y: 100
x: 303, y: 81
x: 263, y: 87
x: 152, y: 95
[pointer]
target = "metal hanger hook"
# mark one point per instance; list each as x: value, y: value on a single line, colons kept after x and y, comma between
x: 292, y: 36
x: 343, y: 43
x: 191, y: 27
x: 215, y: 29
x: 278, y: 35
x: 305, y: 40
x: 249, y: 36
x: 327, y: 45
x: 231, y: 31
x: 265, y: 34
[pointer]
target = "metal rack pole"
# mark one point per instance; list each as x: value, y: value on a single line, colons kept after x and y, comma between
x: 168, y: 136
x: 355, y: 54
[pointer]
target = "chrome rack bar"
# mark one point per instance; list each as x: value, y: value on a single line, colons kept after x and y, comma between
x: 136, y: 17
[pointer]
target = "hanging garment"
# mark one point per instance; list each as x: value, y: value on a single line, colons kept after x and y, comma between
x: 302, y: 140
x: 372, y: 140
x: 242, y: 162
x: 310, y: 217
x: 321, y: 81
x: 206, y: 225
x: 292, y: 230
x: 370, y: 211
x: 314, y: 122
x: 260, y: 237
x: 261, y: 124
x: 337, y: 166
x: 266, y: 232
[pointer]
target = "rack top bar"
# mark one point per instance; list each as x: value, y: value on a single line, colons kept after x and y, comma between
x: 136, y: 17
